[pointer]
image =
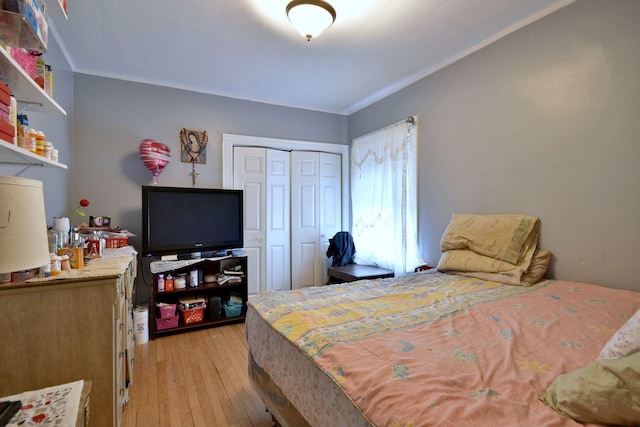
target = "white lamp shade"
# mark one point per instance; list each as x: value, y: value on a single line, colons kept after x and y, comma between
x: 309, y: 18
x: 23, y: 225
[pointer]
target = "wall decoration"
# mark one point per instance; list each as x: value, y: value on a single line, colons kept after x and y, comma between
x: 193, y: 146
x: 155, y: 156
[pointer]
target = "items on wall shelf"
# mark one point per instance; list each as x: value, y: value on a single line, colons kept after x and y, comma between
x: 28, y: 32
x: 25, y: 24
x: 28, y: 93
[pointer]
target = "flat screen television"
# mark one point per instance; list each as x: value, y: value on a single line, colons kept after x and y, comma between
x: 183, y: 220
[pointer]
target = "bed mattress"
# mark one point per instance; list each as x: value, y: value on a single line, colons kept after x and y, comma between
x: 429, y: 348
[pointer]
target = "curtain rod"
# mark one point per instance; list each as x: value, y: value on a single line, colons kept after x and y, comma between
x: 409, y: 120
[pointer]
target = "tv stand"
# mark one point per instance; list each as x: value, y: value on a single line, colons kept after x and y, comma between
x: 208, y: 268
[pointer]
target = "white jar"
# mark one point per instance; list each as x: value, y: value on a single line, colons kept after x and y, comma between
x: 55, y: 264
x: 180, y: 282
x: 64, y: 262
x: 48, y: 150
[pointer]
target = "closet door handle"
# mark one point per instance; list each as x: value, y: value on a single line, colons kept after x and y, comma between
x: 259, y: 239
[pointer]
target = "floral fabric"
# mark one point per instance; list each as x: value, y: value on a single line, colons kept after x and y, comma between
x: 624, y: 342
x: 432, y: 349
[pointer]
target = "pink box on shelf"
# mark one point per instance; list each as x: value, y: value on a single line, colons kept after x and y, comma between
x: 166, y: 310
x: 167, y: 322
x: 26, y: 59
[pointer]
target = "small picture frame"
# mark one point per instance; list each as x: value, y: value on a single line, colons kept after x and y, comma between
x: 193, y: 146
x: 99, y: 221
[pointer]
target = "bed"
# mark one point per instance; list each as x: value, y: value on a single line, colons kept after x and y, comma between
x: 440, y: 349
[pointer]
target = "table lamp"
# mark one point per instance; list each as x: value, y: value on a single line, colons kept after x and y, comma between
x: 23, y: 225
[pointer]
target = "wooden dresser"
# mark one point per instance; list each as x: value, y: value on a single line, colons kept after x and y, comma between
x: 75, y: 326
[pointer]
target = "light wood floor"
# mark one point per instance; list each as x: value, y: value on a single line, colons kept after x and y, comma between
x: 197, y: 378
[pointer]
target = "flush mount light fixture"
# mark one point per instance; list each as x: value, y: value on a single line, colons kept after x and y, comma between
x: 311, y: 17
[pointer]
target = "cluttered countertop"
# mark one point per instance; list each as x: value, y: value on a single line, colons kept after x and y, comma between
x: 112, y: 263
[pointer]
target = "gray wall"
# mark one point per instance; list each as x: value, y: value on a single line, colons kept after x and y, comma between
x: 543, y: 122
x: 113, y: 116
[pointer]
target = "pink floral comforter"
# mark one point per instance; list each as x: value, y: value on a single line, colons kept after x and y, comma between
x: 437, y: 350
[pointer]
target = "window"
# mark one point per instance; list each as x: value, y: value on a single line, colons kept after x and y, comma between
x: 384, y: 198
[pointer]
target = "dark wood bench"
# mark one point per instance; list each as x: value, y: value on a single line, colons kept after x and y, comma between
x: 353, y: 272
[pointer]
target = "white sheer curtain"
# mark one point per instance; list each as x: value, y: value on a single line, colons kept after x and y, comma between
x: 384, y: 198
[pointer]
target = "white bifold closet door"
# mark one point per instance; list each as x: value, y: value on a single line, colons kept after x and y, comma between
x: 315, y: 214
x: 263, y: 175
x: 293, y: 205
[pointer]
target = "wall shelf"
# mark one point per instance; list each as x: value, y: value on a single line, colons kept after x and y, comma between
x: 26, y: 91
x: 16, y: 156
x: 16, y: 31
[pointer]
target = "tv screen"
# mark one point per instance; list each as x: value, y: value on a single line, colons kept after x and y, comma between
x: 182, y: 220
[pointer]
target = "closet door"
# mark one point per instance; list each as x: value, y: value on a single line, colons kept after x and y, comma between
x: 330, y: 203
x: 278, y: 242
x: 292, y: 208
x: 249, y: 176
x: 306, y: 264
x: 263, y: 174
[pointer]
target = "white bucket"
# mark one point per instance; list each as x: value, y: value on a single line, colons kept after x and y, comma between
x: 141, y: 324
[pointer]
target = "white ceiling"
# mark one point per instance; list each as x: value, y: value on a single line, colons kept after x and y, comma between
x: 247, y: 49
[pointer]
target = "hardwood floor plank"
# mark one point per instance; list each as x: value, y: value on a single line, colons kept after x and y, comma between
x: 163, y: 400
x: 214, y: 385
x: 225, y: 382
x: 198, y: 378
x: 151, y: 375
x: 241, y: 381
x: 179, y: 412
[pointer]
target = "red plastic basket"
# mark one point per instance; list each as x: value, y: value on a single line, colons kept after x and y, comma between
x: 116, y: 242
x: 194, y: 315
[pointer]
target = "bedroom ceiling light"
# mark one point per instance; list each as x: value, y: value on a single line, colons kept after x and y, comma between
x: 311, y: 17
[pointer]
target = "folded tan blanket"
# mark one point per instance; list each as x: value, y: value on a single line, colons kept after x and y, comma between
x: 513, y: 275
x: 505, y: 237
x: 494, y: 247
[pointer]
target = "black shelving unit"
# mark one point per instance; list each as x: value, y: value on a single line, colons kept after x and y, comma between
x: 206, y: 267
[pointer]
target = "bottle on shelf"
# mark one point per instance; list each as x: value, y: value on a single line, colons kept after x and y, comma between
x: 52, y: 237
x: 168, y: 283
x: 33, y: 144
x: 64, y: 262
x: 160, y: 281
x: 55, y: 264
x: 40, y: 143
x: 48, y: 148
x: 13, y: 116
x: 193, y: 278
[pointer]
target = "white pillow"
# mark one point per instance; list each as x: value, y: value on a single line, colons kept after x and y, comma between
x: 625, y: 342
